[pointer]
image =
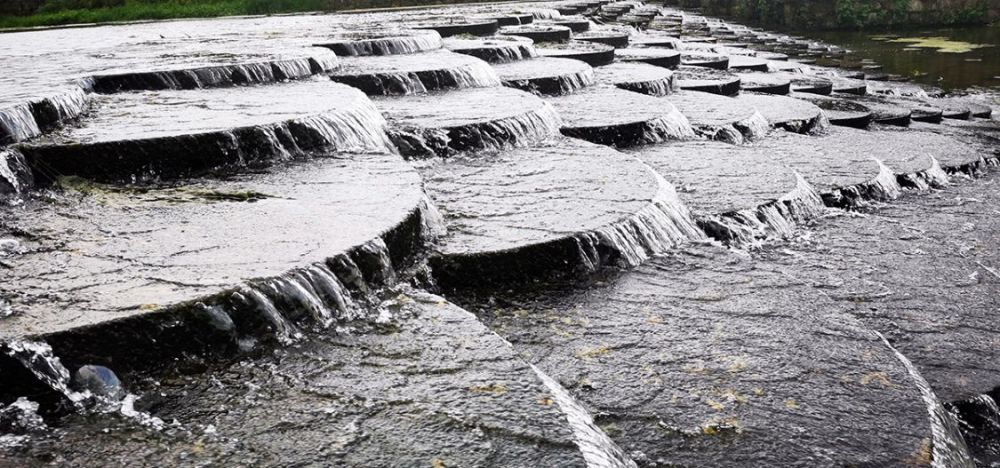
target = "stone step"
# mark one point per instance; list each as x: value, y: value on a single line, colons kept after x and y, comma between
x: 638, y: 77
x: 564, y: 208
x: 494, y: 49
x: 591, y: 53
x: 611, y: 116
x: 395, y: 75
x: 721, y: 118
x: 546, y: 76
x: 794, y: 115
x: 382, y: 42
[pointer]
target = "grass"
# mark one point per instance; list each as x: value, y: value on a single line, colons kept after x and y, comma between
x: 62, y: 12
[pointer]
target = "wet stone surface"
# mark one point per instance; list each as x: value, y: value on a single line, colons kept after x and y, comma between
x: 791, y: 114
x: 708, y: 80
x: 496, y: 49
x: 593, y: 54
x: 561, y: 209
x: 91, y: 252
x: 441, y: 124
x: 612, y: 116
x: 720, y: 118
x: 423, y: 383
x: 681, y: 370
x: 414, y: 73
x: 639, y: 77
x: 547, y: 76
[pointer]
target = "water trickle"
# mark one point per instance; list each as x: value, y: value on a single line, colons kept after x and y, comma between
x: 949, y: 449
x: 546, y: 75
x: 37, y: 358
x: 284, y: 331
x: 15, y: 176
x: 499, y: 49
x: 598, y: 450
x: 17, y: 124
x: 883, y: 187
x: 388, y: 42
x: 59, y: 108
x: 396, y: 75
x: 933, y: 177
x: 748, y: 228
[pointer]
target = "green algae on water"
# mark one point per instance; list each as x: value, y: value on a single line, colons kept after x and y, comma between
x: 941, y: 44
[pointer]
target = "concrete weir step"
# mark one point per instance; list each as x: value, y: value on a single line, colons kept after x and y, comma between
x: 562, y: 209
x: 460, y: 26
x: 794, y: 115
x: 494, y: 49
x: 769, y: 83
x: 593, y: 54
x: 156, y: 135
x: 720, y: 118
x: 382, y: 42
x: 395, y: 75
x: 443, y: 124
x: 611, y: 116
x: 27, y: 111
x: 703, y: 357
x: 546, y: 75
x: 102, y: 272
x: 638, y: 77
x: 539, y: 32
x: 657, y: 56
x: 739, y: 195
x: 708, y: 80
x: 209, y: 67
x: 420, y: 382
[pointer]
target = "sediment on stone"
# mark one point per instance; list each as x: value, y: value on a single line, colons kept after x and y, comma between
x: 133, y: 137
x: 679, y: 368
x: 382, y: 42
x: 208, y: 266
x: 546, y: 76
x: 443, y: 124
x: 593, y: 54
x: 720, y: 118
x: 545, y: 222
x: 615, y: 117
x: 495, y: 49
x: 397, y: 75
x: 794, y: 115
x: 740, y: 195
x: 638, y: 77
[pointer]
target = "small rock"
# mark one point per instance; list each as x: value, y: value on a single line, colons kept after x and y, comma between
x: 21, y: 417
x: 99, y: 380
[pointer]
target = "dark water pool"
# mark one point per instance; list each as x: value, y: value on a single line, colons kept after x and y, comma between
x: 951, y: 58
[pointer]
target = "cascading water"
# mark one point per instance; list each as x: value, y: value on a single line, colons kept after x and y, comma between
x: 215, y: 76
x: 15, y: 176
x: 948, y: 446
x: 598, y: 450
x: 748, y: 228
x: 17, y: 123
x: 655, y: 229
x: 883, y: 187
x: 398, y: 75
x: 37, y: 358
x: 933, y: 177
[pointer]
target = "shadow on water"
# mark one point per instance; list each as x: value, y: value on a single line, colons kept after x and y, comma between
x: 948, y: 68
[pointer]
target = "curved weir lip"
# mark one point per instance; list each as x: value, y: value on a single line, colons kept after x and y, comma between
x: 443, y: 124
x: 720, y: 118
x: 483, y: 27
x: 383, y: 42
x: 593, y: 54
x: 638, y: 77
x: 546, y: 76
x: 184, y: 257
x: 611, y: 116
x: 415, y: 73
x: 544, y: 221
x: 538, y: 32
x: 167, y: 134
x: 496, y: 49
x: 32, y: 112
x: 794, y: 115
x: 654, y: 56
x: 708, y: 80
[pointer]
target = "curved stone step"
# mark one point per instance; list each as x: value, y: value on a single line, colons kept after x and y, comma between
x: 740, y: 195
x: 496, y: 49
x: 654, y: 56
x: 28, y: 111
x: 708, y: 80
x: 638, y: 77
x: 747, y: 63
x: 424, y: 382
x: 593, y: 54
x: 167, y: 134
x: 576, y: 24
x: 704, y: 60
x: 655, y: 40
x: 458, y: 26
x: 102, y: 273
x: 615, y: 117
x: 555, y: 214
x: 794, y: 115
x: 512, y: 18
x: 442, y: 124
x: 538, y: 32
x: 841, y: 112
x: 705, y: 357
x: 200, y: 66
x: 612, y: 37
x: 547, y: 76
x: 887, y: 112
x: 849, y: 85
x: 414, y: 73
x: 769, y: 83
x: 382, y: 42
x: 721, y: 118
